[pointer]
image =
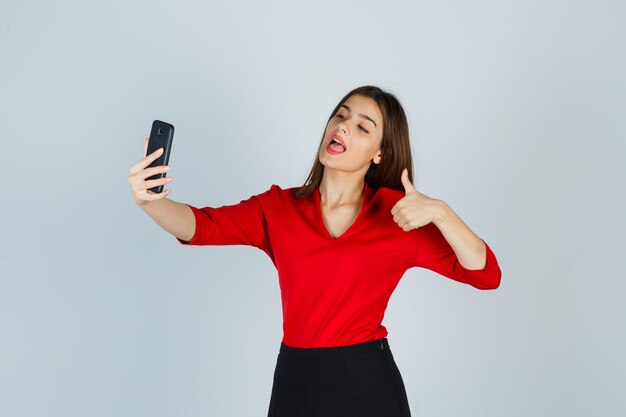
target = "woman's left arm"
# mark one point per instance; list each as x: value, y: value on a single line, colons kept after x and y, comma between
x: 469, y: 248
x: 444, y: 243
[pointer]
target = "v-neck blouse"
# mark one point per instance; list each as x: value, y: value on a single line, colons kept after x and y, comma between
x: 335, y: 291
x: 318, y: 205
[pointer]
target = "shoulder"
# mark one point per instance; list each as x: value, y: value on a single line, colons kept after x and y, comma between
x: 277, y: 190
x: 276, y: 194
x: 387, y: 195
x: 389, y: 191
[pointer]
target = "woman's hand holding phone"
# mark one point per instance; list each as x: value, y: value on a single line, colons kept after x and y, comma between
x: 138, y: 174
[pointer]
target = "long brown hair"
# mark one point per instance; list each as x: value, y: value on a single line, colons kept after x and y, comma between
x: 395, y: 147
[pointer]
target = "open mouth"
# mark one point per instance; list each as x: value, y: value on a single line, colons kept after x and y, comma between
x: 336, y: 146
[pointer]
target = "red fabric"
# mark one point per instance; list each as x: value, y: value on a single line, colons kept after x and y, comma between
x: 335, y: 291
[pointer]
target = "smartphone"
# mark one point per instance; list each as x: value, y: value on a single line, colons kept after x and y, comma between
x: 161, y: 136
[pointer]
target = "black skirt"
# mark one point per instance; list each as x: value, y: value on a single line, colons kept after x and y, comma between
x: 359, y: 380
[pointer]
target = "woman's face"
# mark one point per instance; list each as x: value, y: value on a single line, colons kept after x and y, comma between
x: 359, y: 125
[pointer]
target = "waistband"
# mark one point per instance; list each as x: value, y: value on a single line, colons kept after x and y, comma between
x: 335, y: 351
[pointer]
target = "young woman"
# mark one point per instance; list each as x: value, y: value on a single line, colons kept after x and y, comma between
x: 340, y: 243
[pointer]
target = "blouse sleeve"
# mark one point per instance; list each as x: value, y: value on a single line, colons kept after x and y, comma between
x: 435, y: 253
x: 243, y: 223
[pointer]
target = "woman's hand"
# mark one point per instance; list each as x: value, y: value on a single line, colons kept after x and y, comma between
x: 138, y: 174
x: 414, y: 209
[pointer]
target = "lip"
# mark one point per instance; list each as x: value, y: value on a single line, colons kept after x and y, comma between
x: 340, y: 139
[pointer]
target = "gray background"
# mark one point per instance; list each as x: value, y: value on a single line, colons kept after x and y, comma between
x: 516, y: 111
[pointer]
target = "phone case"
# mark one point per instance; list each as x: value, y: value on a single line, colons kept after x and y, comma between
x: 161, y: 136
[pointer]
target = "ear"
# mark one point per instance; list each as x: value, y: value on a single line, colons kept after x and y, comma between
x: 378, y: 158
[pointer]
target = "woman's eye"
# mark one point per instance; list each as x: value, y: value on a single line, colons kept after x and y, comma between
x: 360, y: 127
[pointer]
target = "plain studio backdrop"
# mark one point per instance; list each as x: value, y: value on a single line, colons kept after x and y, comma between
x: 516, y: 113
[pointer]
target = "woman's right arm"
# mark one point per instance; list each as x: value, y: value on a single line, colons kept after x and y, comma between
x: 174, y: 217
x: 243, y: 223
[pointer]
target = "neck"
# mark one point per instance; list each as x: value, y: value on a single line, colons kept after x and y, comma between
x: 340, y: 189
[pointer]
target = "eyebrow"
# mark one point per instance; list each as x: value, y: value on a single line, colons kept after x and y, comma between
x: 365, y: 116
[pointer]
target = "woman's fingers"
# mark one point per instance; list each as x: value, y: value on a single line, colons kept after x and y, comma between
x: 148, y: 172
x: 143, y: 163
x: 148, y: 195
x: 139, y: 172
x: 141, y: 192
x: 153, y: 183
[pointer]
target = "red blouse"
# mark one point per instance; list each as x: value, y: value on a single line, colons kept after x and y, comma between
x: 334, y: 291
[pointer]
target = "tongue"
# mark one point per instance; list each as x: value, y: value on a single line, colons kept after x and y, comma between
x: 337, y: 147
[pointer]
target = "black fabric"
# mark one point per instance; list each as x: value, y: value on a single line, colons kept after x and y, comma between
x: 359, y: 380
